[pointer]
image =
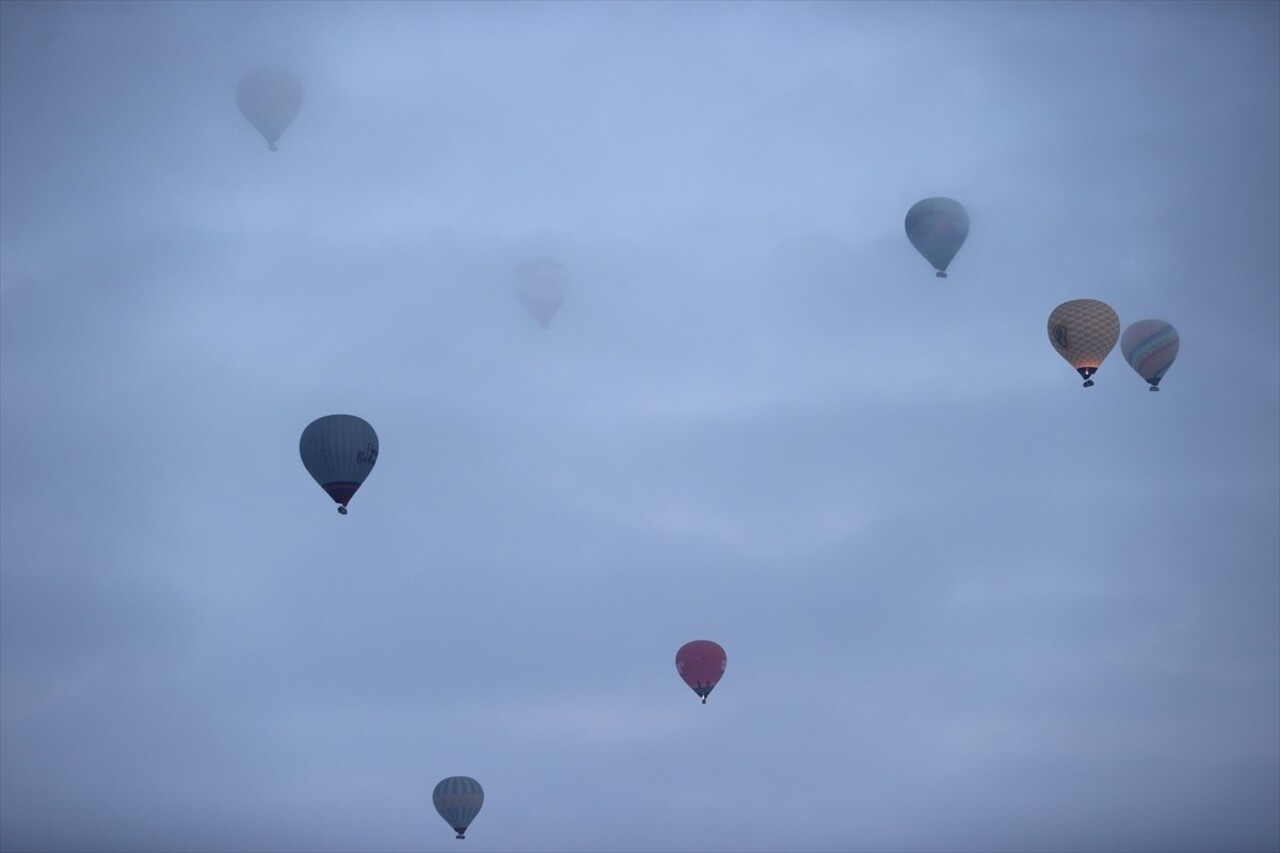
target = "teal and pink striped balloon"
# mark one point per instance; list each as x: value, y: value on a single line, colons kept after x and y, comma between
x: 1150, y: 346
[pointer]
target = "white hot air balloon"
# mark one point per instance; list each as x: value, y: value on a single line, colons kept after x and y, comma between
x: 269, y: 97
x: 339, y: 452
x: 541, y: 286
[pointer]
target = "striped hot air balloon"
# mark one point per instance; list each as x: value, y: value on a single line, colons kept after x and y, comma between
x: 937, y: 227
x: 701, y: 663
x: 1083, y: 331
x: 458, y: 799
x: 1150, y: 346
x: 339, y: 452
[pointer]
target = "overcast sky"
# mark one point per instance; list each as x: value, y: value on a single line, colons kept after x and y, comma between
x: 967, y: 604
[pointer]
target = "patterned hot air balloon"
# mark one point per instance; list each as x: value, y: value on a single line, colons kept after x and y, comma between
x: 1150, y: 346
x: 541, y: 286
x: 1083, y: 331
x: 269, y: 97
x: 339, y: 452
x: 701, y: 663
x: 937, y: 227
x: 458, y: 799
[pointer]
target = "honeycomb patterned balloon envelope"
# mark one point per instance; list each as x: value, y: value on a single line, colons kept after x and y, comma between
x: 1083, y: 331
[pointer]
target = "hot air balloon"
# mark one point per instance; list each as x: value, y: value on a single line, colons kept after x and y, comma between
x: 1150, y: 346
x: 269, y: 97
x: 701, y: 663
x: 541, y: 285
x: 1083, y: 331
x: 339, y: 451
x: 937, y: 227
x: 458, y: 799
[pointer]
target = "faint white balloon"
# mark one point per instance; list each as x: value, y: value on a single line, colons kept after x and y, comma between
x: 541, y: 285
x: 269, y: 97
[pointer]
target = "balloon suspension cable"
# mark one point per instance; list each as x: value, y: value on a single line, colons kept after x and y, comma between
x: 342, y: 510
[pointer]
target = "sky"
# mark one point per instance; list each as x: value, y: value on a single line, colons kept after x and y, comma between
x: 967, y: 604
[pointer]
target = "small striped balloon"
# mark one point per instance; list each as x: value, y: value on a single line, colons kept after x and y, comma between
x: 1150, y: 346
x: 458, y: 799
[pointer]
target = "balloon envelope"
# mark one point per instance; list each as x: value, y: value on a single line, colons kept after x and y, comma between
x: 937, y: 227
x: 541, y: 285
x: 339, y: 451
x: 1150, y: 346
x: 458, y: 799
x: 1083, y: 331
x: 701, y: 663
x: 269, y: 97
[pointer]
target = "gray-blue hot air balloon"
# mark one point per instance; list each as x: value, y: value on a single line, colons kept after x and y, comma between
x: 458, y: 799
x: 339, y: 452
x: 269, y: 97
x: 937, y: 227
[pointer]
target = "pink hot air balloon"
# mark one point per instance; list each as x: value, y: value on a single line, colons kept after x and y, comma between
x: 701, y: 663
